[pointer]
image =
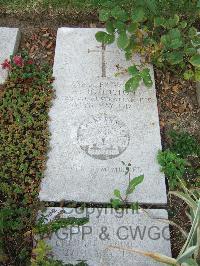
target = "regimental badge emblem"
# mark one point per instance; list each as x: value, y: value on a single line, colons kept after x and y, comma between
x: 103, y: 136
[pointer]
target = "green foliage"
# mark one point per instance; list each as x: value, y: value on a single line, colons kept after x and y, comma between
x: 172, y: 165
x: 24, y: 105
x: 190, y: 252
x: 42, y: 228
x: 25, y: 101
x: 184, y: 144
x: 40, y: 256
x: 119, y: 200
x: 137, y: 76
x: 163, y: 31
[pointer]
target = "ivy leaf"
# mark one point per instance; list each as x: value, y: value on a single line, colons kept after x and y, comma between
x: 132, y: 84
x: 117, y: 193
x: 123, y: 40
x: 104, y: 37
x: 145, y: 74
x: 138, y: 15
x: 133, y: 70
x: 195, y: 60
x: 104, y: 14
x: 110, y: 27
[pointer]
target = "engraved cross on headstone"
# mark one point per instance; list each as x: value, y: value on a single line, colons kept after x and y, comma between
x: 103, y: 64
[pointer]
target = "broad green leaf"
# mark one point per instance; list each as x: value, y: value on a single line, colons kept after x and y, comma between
x: 138, y: 15
x: 117, y: 193
x: 172, y: 40
x: 110, y: 27
x: 135, y: 206
x: 132, y: 27
x: 188, y: 75
x: 133, y: 183
x: 104, y: 37
x: 192, y: 32
x: 187, y: 254
x: 115, y: 203
x: 104, y: 14
x: 196, y: 41
x: 119, y: 25
x: 123, y: 40
x: 175, y: 33
x: 176, y: 43
x: 159, y: 21
x: 145, y: 74
x: 119, y: 13
x: 137, y: 180
x: 128, y: 54
x: 132, y: 84
x: 165, y: 40
x: 133, y: 70
x: 190, y: 50
x: 175, y: 58
x: 195, y: 60
x: 197, y: 75
x: 183, y: 24
x: 172, y: 22
x: 166, y: 23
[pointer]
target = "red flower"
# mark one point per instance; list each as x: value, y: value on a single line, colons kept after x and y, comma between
x: 6, y: 64
x: 30, y: 62
x: 18, y: 61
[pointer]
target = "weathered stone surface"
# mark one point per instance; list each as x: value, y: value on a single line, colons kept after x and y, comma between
x: 9, y: 42
x: 95, y: 125
x: 109, y: 227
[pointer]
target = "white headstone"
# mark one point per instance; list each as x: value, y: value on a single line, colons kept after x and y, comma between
x: 95, y: 125
x: 108, y: 227
x: 9, y: 42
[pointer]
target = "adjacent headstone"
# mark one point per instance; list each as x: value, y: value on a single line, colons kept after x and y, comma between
x: 108, y: 227
x: 9, y: 42
x: 95, y: 125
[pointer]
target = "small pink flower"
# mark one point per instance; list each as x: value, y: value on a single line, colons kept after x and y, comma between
x: 6, y: 64
x: 18, y: 61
